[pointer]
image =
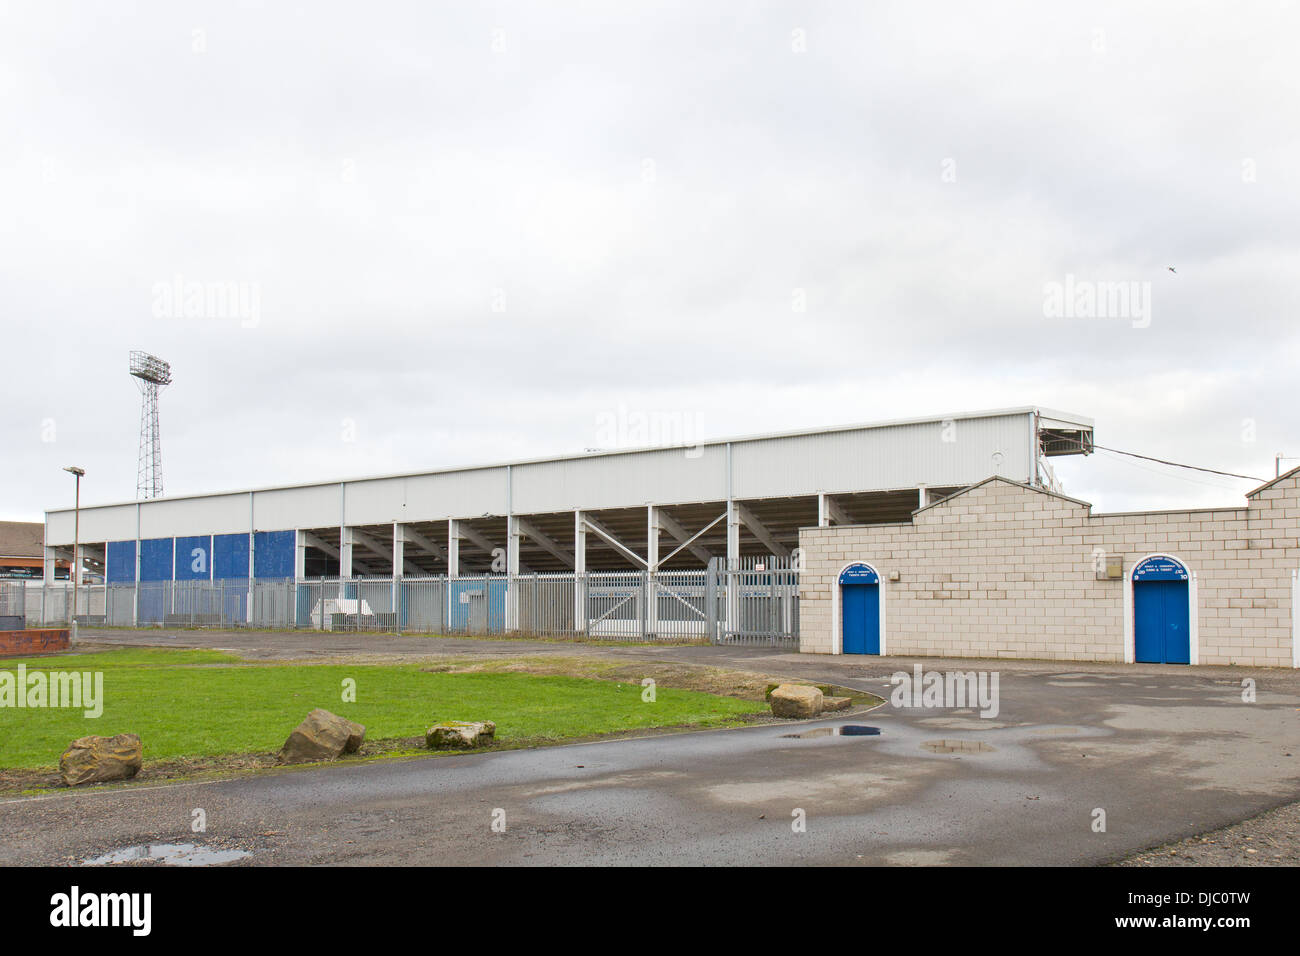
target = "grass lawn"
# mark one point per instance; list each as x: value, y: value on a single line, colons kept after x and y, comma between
x: 189, y: 704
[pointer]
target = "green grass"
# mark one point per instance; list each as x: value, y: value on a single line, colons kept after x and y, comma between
x: 188, y: 704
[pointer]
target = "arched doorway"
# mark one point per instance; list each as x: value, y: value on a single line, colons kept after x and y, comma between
x: 1162, y: 632
x: 860, y: 609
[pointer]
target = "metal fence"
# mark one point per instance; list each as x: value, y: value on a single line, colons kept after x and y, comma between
x: 748, y: 603
x: 28, y: 604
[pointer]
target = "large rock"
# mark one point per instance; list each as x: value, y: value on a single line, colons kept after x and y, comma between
x: 796, y: 700
x: 322, y: 736
x: 460, y: 735
x: 98, y: 759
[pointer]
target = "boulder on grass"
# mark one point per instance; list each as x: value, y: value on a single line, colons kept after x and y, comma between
x: 322, y: 736
x: 98, y: 759
x: 460, y: 735
x: 835, y: 703
x: 796, y: 700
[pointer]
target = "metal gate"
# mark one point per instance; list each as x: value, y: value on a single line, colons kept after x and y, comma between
x: 754, y: 600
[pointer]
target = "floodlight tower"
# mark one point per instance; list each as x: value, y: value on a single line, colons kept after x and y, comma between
x: 151, y: 374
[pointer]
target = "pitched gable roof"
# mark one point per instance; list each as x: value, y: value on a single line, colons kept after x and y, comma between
x: 1268, y: 484
x: 1008, y: 481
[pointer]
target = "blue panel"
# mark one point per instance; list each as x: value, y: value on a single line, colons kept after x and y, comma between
x: 156, y: 559
x: 1160, y: 568
x: 1161, y: 622
x: 859, y: 574
x: 496, y: 602
x: 1178, y: 634
x: 229, y: 557
x: 860, y: 619
x: 1148, y: 624
x: 120, y: 562
x: 497, y: 588
x: 273, y: 555
x: 194, y: 558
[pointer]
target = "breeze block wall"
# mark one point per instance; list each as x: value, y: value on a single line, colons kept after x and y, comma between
x: 1002, y: 569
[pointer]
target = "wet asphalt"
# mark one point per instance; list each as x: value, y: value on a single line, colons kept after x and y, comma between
x: 1155, y: 753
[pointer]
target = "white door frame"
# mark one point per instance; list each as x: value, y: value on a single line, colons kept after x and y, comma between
x: 1193, y: 624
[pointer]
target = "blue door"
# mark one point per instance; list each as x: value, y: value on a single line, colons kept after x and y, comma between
x: 860, y: 610
x: 1161, y: 620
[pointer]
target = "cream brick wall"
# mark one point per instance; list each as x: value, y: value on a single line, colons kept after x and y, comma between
x: 1002, y: 570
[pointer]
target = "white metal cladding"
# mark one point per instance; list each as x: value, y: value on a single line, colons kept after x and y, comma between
x: 451, y: 494
x: 957, y: 452
x: 289, y: 508
x: 116, y: 522
x: 888, y: 456
x: 215, y: 514
x: 664, y: 476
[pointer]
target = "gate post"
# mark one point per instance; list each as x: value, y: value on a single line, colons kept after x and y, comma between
x: 711, y: 600
x: 773, y: 616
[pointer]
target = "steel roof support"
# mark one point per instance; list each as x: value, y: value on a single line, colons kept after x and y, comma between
x: 652, y: 568
x: 375, y: 546
x: 308, y: 540
x: 829, y: 511
x: 733, y: 564
x: 670, y: 524
x: 424, y: 543
x: 759, y: 531
x: 544, y: 541
x: 514, y: 534
x: 580, y: 573
x: 453, y: 549
x: 608, y: 537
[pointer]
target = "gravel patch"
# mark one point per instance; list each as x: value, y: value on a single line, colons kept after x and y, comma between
x: 1270, y: 839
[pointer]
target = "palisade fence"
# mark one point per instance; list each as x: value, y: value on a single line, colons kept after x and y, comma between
x: 754, y: 601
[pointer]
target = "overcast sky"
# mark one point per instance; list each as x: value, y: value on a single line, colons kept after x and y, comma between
x: 475, y: 232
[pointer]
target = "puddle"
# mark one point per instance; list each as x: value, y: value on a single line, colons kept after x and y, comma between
x: 845, y: 730
x: 956, y: 747
x: 1045, y: 731
x: 170, y: 854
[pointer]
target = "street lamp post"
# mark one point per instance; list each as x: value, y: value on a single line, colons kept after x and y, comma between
x: 76, y: 544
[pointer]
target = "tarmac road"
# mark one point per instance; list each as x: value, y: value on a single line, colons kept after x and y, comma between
x: 1165, y: 752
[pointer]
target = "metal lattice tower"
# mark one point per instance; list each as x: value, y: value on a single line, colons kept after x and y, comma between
x: 151, y: 374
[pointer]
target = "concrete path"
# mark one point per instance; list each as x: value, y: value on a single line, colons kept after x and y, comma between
x: 1165, y: 752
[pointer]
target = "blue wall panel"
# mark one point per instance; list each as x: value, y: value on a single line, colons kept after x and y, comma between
x: 229, y: 556
x: 194, y: 558
x: 120, y: 562
x: 156, y: 559
x: 273, y: 555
